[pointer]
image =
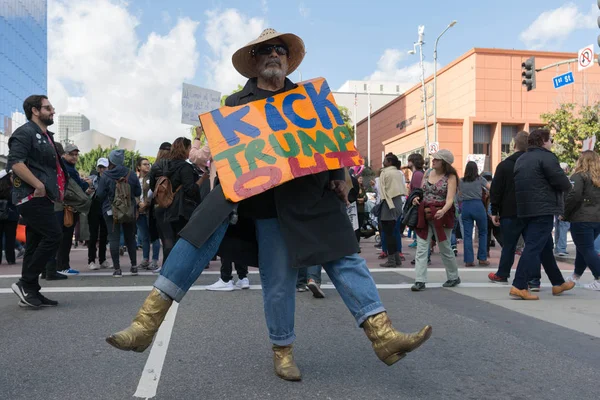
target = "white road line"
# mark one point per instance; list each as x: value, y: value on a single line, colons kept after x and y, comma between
x: 148, y: 384
x: 255, y: 272
x: 99, y: 289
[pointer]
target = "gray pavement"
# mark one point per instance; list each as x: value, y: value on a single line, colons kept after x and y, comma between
x: 484, y: 346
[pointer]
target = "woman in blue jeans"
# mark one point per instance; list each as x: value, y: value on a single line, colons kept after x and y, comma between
x: 471, y: 189
x: 143, y: 223
x: 582, y: 208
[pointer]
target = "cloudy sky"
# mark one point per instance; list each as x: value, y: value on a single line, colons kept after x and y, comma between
x: 122, y: 63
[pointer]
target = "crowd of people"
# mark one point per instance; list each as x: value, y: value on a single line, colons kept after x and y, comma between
x: 293, y: 231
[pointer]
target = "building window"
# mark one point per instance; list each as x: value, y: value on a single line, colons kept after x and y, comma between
x: 508, y: 134
x: 482, y: 138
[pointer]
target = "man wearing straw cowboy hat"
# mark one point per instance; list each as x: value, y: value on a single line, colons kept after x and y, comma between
x: 300, y: 223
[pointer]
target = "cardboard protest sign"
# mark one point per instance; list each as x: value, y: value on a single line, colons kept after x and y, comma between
x: 196, y: 100
x: 268, y: 142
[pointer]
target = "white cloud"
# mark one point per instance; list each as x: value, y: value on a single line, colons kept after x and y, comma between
x: 304, y: 10
x: 554, y: 26
x: 125, y: 86
x: 226, y: 32
x: 388, y: 69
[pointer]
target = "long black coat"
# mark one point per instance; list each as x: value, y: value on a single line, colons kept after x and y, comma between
x: 313, y: 220
x: 539, y: 184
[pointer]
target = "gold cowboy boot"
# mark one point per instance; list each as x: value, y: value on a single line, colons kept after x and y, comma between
x: 285, y: 366
x: 139, y: 334
x: 389, y: 344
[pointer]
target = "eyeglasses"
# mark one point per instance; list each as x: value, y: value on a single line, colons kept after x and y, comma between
x: 267, y: 49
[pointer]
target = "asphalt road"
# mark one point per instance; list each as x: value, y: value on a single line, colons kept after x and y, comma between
x: 484, y: 346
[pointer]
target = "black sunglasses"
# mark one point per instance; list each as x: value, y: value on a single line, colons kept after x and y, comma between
x: 267, y: 49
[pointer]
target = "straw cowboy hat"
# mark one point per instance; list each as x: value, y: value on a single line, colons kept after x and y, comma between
x: 243, y: 59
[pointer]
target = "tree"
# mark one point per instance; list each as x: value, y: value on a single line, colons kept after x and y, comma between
x: 573, y: 124
x: 87, y: 162
x: 346, y: 118
x: 239, y: 88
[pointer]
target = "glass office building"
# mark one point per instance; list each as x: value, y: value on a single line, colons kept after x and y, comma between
x: 23, y: 58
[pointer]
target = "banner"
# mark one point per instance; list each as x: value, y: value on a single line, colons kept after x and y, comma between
x: 196, y: 100
x: 479, y: 159
x: 268, y: 142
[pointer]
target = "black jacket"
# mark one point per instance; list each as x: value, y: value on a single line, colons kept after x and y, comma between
x: 313, y: 220
x: 29, y: 145
x: 582, y: 204
x: 183, y: 177
x: 539, y: 184
x: 502, y: 192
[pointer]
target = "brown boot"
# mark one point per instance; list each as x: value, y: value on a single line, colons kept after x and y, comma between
x: 557, y: 290
x: 139, y: 334
x: 285, y: 366
x: 389, y: 344
x: 522, y: 294
x: 390, y: 263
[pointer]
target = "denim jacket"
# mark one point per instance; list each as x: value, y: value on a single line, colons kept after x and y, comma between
x: 29, y: 145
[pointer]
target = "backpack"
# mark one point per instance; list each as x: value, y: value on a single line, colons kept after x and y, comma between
x: 163, y: 192
x: 122, y: 207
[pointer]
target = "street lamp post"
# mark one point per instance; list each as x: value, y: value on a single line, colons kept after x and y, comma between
x: 435, y: 125
x: 420, y: 44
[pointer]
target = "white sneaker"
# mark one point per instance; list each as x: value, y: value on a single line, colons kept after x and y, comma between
x: 242, y: 284
x: 106, y: 264
x: 595, y: 285
x: 573, y: 278
x: 221, y: 286
x: 93, y: 266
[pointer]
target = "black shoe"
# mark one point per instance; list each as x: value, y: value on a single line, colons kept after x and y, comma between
x: 418, y: 287
x: 46, y: 302
x: 117, y: 273
x: 378, y: 246
x: 133, y: 271
x: 55, y: 276
x: 29, y: 298
x: 451, y: 283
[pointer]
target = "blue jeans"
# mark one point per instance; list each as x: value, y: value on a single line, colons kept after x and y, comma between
x: 314, y: 273
x: 473, y: 211
x: 597, y: 245
x: 349, y: 275
x: 538, y: 249
x: 512, y: 228
x: 584, y: 234
x: 560, y: 235
x: 398, y: 236
x: 143, y: 230
x: 186, y: 262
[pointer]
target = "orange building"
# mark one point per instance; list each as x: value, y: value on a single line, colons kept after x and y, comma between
x: 482, y: 105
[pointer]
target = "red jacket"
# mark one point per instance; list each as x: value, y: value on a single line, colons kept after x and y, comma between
x: 447, y: 221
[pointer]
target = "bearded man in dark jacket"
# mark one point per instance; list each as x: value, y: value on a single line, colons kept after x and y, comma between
x: 539, y: 186
x: 300, y: 223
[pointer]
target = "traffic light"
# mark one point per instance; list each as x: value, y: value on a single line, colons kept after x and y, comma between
x: 528, y: 73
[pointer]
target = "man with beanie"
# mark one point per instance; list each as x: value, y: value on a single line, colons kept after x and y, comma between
x: 106, y: 194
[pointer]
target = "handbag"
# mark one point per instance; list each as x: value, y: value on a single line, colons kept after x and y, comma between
x: 411, y: 217
x: 69, y: 217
